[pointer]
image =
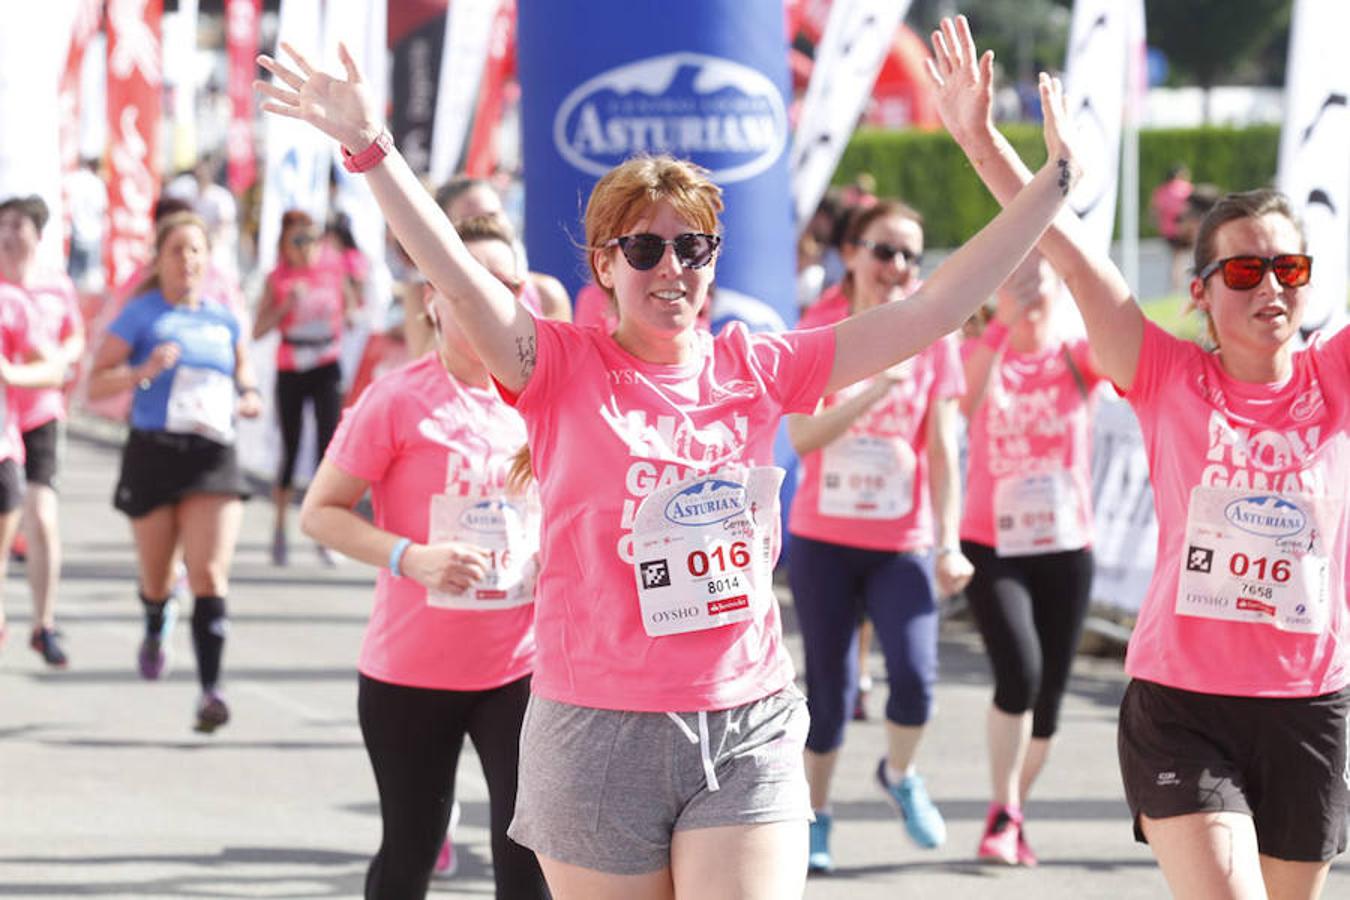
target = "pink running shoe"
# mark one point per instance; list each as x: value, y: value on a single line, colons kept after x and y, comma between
x: 1025, y: 855
x: 447, y: 861
x: 1002, y: 830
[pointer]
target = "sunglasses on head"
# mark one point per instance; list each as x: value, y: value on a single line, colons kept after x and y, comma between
x: 644, y: 251
x: 884, y: 253
x: 1242, y: 273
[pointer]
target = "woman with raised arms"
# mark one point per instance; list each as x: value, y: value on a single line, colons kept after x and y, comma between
x: 1233, y: 731
x: 661, y: 755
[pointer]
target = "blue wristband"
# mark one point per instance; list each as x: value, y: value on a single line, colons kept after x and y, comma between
x: 396, y: 555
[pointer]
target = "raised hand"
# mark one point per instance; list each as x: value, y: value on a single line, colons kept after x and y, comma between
x: 1058, y: 132
x: 338, y: 107
x: 962, y: 81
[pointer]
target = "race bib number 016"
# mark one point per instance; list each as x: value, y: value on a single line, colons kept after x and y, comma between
x: 1258, y: 558
x: 1039, y: 513
x: 509, y: 534
x: 704, y: 551
x: 867, y: 477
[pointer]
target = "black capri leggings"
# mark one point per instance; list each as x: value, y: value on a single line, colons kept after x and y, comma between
x: 323, y: 386
x: 413, y: 737
x: 1030, y: 612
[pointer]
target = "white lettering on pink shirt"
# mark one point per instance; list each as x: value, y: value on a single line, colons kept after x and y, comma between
x: 705, y: 449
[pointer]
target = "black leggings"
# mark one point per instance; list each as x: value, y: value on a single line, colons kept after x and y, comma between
x: 322, y: 385
x: 413, y: 737
x: 1030, y: 612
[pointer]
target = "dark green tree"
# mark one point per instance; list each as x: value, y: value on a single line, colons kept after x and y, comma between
x: 1208, y: 42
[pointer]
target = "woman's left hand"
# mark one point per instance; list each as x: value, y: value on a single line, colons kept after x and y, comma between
x: 953, y: 572
x: 340, y: 108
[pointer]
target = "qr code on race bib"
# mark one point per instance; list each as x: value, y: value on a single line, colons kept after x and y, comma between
x: 655, y: 574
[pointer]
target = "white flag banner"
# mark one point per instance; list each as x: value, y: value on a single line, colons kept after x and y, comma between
x: 364, y: 29
x: 1094, y: 81
x: 32, y: 57
x: 179, y: 37
x: 295, y: 174
x: 858, y: 34
x: 468, y: 31
x: 1314, y: 170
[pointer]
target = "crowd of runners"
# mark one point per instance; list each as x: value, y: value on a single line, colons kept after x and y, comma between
x: 575, y: 526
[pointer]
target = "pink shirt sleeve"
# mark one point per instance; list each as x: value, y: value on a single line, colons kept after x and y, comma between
x: 365, y: 442
x: 1161, y: 358
x: 794, y: 366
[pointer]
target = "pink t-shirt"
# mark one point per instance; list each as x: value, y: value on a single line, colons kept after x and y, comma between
x: 55, y: 308
x: 15, y: 345
x: 311, y: 330
x: 1033, y: 419
x: 417, y: 433
x: 606, y: 429
x: 1275, y: 445
x: 876, y: 473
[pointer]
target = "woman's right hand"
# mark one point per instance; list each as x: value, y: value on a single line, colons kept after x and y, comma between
x: 164, y: 356
x: 962, y: 81
x: 340, y: 108
x: 448, y: 567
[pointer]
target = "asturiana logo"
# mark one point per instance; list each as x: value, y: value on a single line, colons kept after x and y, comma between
x: 1267, y: 516
x: 726, y: 116
x: 705, y: 502
x: 487, y: 515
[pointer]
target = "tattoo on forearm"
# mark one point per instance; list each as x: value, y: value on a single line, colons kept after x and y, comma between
x: 525, y: 353
x: 1064, y: 177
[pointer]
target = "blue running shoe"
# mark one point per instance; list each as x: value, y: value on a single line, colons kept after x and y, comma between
x: 153, y: 656
x: 819, y: 859
x: 910, y: 798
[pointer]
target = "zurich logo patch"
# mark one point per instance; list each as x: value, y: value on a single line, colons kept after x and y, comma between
x: 708, y: 501
x: 1267, y: 516
x: 726, y: 116
x: 487, y: 515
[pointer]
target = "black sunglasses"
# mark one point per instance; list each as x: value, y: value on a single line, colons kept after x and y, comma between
x: 884, y: 253
x: 1242, y: 273
x: 644, y: 251
x: 302, y: 240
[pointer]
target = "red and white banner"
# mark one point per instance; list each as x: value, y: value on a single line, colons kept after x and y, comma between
x: 88, y: 14
x: 135, y: 84
x: 1314, y: 168
x: 241, y: 47
x: 500, y: 69
x: 464, y: 53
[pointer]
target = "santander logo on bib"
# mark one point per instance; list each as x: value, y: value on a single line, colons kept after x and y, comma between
x: 727, y: 116
x: 1268, y: 516
x: 706, y: 502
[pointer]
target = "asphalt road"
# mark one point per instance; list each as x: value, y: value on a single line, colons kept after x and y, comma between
x: 106, y: 791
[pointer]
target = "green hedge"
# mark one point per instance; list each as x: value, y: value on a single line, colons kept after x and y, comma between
x: 929, y: 172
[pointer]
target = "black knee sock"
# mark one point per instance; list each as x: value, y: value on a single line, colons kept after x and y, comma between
x: 154, y: 614
x: 209, y: 625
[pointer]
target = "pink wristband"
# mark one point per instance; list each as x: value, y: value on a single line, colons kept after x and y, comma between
x: 370, y: 157
x: 994, y: 334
